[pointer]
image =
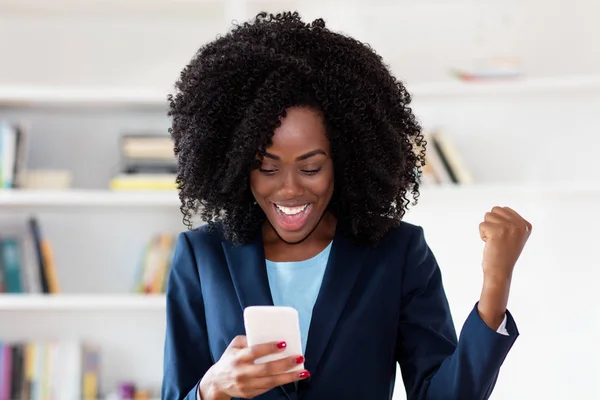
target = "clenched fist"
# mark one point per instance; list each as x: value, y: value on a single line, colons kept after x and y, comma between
x: 505, y: 233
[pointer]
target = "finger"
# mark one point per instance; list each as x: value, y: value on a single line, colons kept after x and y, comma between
x: 528, y: 226
x: 504, y: 212
x: 517, y: 217
x: 486, y: 229
x: 276, y: 367
x: 238, y: 342
x: 496, y: 217
x: 511, y: 216
x: 251, y: 353
x: 510, y: 211
x: 269, y: 382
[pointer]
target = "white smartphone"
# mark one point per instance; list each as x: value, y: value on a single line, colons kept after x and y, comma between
x: 274, y: 324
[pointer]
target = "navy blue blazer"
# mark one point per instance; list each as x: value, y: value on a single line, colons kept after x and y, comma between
x: 377, y: 306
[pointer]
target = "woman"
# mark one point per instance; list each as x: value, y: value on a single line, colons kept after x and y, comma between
x: 298, y: 146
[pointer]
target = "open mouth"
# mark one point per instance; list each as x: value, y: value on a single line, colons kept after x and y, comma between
x: 292, y: 218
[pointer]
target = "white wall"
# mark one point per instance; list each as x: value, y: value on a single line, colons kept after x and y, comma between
x: 148, y: 45
x: 83, y: 141
x: 522, y: 140
x: 554, y: 297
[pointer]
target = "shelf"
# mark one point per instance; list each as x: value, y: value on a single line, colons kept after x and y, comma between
x: 81, y: 302
x: 523, y: 85
x: 80, y: 96
x: 169, y: 199
x: 518, y: 188
x: 489, y: 192
x: 87, y: 198
x: 110, y: 7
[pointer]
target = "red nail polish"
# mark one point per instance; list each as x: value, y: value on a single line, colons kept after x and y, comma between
x: 304, y: 374
x: 299, y: 360
x: 281, y: 345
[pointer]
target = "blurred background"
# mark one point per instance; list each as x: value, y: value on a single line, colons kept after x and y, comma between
x: 508, y: 93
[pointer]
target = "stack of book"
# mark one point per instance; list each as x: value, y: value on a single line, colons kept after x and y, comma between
x: 155, y: 264
x: 443, y: 162
x: 14, y: 142
x: 147, y: 163
x: 64, y: 369
x: 27, y: 262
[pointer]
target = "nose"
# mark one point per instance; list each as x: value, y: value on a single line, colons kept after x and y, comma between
x: 290, y: 187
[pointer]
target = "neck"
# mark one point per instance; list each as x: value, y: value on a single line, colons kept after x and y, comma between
x: 278, y: 250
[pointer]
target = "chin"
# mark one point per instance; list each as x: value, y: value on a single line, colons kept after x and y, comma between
x: 294, y: 237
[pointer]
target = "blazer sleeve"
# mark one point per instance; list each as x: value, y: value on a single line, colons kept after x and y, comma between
x: 186, y: 352
x: 435, y: 365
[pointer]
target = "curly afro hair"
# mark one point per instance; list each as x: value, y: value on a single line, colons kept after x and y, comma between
x: 228, y: 101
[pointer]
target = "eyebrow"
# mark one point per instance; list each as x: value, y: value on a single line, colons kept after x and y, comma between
x: 299, y: 158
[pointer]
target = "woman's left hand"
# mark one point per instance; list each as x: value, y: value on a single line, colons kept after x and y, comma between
x: 505, y: 233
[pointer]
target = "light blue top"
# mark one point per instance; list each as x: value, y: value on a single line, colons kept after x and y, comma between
x: 296, y: 284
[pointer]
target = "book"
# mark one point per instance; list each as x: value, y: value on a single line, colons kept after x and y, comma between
x: 65, y: 369
x: 444, y: 163
x: 14, y: 144
x: 27, y: 261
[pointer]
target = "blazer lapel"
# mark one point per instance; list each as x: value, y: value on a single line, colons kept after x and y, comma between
x: 249, y: 273
x: 343, y: 266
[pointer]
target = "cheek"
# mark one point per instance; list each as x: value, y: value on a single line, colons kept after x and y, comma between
x: 257, y: 185
x: 262, y: 186
x: 323, y: 187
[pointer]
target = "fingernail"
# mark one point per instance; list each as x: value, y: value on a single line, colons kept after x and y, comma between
x: 299, y: 360
x: 304, y: 374
x: 281, y: 345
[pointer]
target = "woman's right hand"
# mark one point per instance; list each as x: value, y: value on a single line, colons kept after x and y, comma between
x: 236, y: 374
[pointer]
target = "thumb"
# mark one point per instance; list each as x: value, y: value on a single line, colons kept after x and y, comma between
x: 483, y: 231
x: 239, y: 342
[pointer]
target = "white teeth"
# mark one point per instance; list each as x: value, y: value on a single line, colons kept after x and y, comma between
x: 291, y: 210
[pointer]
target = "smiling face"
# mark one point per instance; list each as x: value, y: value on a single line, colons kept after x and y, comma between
x: 294, y: 183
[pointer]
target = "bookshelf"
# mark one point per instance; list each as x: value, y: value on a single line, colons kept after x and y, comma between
x: 87, y: 198
x: 169, y: 200
x: 484, y: 191
x: 98, y: 234
x: 65, y: 96
x: 155, y: 98
x: 82, y: 302
x: 531, y: 143
x: 112, y: 6
x: 517, y: 86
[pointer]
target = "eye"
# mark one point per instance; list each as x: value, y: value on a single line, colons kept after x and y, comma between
x: 311, y: 172
x: 267, y: 171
